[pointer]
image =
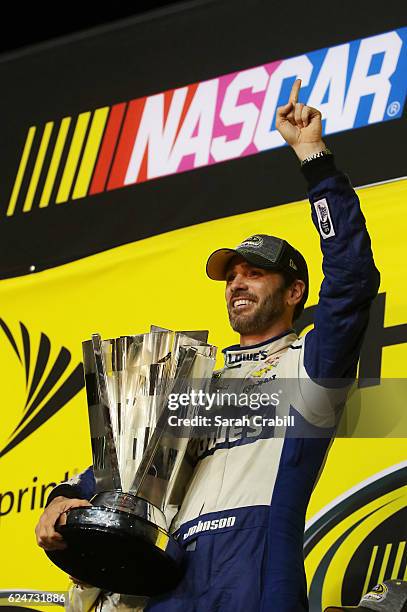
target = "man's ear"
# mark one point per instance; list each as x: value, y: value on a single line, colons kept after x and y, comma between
x: 295, y: 292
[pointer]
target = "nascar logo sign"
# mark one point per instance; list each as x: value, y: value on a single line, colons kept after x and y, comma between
x: 353, y: 84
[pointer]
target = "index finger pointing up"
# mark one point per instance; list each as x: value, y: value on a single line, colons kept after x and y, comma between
x: 295, y: 91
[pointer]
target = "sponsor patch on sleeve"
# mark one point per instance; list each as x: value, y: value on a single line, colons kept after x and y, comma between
x: 326, y: 228
x: 378, y: 593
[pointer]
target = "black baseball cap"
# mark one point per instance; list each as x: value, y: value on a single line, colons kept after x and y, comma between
x: 268, y: 252
x: 388, y: 596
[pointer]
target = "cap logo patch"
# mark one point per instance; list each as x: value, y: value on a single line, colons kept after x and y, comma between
x: 326, y: 228
x: 378, y: 593
x: 292, y: 265
x: 253, y: 241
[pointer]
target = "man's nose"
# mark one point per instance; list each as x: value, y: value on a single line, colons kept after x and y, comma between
x: 239, y: 282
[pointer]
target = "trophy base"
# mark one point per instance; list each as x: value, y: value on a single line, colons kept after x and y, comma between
x: 119, y: 551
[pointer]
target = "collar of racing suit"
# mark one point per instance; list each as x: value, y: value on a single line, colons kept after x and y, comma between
x: 266, y: 350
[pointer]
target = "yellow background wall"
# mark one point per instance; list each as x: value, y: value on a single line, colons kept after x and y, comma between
x: 161, y: 280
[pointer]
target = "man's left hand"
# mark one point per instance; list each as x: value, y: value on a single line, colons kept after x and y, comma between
x: 300, y: 125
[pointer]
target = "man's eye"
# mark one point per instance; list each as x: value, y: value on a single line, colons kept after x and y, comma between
x: 254, y: 272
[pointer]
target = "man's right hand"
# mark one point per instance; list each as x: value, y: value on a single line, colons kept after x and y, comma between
x: 55, y: 514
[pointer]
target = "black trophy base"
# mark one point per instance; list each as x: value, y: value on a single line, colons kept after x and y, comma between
x: 119, y: 552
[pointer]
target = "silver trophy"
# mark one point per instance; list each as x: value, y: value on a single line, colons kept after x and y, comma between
x: 122, y: 543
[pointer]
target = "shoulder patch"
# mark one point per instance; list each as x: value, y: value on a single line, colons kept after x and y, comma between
x: 378, y: 593
x: 326, y: 228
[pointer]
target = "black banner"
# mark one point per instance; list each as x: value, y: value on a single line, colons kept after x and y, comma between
x: 73, y: 109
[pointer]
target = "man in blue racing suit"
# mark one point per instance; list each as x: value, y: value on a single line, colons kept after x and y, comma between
x: 242, y: 518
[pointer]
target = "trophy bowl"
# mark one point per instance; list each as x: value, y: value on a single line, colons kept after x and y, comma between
x: 128, y: 534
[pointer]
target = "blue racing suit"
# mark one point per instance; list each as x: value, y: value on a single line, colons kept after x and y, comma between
x: 242, y: 519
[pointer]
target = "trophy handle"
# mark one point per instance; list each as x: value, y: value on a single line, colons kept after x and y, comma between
x: 183, y: 370
x: 199, y: 335
x: 157, y: 328
x: 105, y: 462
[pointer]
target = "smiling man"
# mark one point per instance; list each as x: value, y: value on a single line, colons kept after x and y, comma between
x: 263, y: 296
x: 242, y: 518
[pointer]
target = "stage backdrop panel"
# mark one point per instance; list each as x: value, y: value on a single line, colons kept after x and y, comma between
x: 169, y: 120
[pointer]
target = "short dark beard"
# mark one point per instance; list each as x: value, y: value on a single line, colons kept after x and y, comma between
x: 266, y: 313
